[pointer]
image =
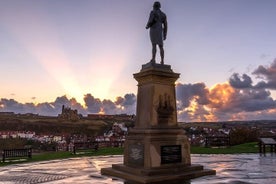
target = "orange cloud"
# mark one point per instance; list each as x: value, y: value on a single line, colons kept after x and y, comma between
x: 221, y: 95
x: 210, y: 116
x: 217, y: 99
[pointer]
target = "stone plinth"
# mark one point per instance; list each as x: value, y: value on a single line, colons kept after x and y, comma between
x: 156, y: 149
x: 156, y: 103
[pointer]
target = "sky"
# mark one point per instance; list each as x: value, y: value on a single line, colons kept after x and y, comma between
x: 83, y: 54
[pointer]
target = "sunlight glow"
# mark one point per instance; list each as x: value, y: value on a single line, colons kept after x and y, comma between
x: 220, y: 94
x: 41, y: 39
x: 101, y: 111
x: 109, y: 67
x: 210, y: 116
x: 192, y: 108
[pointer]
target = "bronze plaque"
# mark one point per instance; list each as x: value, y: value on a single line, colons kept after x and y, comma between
x: 171, y: 154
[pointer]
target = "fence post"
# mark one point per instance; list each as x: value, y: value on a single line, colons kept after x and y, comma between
x: 74, y: 149
x: 30, y: 152
x: 3, y: 155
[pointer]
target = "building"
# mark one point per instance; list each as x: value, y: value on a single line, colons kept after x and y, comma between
x: 69, y: 114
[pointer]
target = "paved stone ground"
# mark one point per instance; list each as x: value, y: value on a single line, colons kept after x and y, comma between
x: 76, y: 170
x: 238, y: 169
x: 231, y: 169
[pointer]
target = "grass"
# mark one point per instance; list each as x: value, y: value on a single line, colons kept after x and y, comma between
x: 79, y: 153
x: 242, y: 148
x: 64, y: 155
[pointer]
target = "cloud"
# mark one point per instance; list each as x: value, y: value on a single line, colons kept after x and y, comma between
x: 243, y: 97
x: 11, y: 105
x: 127, y: 103
x: 226, y: 101
x: 246, y: 100
x: 185, y: 93
x: 206, y: 104
x: 129, y: 100
x: 237, y: 99
x: 93, y: 104
x: 240, y: 82
x: 122, y: 105
x: 110, y: 107
x: 268, y: 74
x: 220, y: 96
x: 46, y: 108
x: 191, y: 100
x: 194, y: 113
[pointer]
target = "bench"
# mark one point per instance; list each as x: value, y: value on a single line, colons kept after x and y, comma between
x: 84, y: 146
x: 263, y: 142
x: 12, y: 153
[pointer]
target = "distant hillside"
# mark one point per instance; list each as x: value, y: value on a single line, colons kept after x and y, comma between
x: 264, y: 124
x: 51, y: 125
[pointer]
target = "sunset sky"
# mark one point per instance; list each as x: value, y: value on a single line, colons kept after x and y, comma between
x: 83, y: 53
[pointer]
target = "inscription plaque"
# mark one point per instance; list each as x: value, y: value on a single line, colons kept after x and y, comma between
x: 171, y: 154
x: 136, y: 154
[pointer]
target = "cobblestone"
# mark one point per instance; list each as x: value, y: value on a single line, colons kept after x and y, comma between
x: 32, y: 178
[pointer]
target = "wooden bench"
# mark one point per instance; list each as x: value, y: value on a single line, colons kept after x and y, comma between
x: 263, y: 142
x: 13, y: 153
x: 85, y: 145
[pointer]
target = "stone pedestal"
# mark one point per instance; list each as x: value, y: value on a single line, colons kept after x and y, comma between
x: 156, y: 149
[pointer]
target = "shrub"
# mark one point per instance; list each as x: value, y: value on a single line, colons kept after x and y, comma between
x: 243, y: 135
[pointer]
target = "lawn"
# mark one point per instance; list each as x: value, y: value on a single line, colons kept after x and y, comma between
x: 64, y: 154
x: 243, y: 148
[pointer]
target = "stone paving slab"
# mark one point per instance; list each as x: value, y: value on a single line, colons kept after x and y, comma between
x: 231, y: 169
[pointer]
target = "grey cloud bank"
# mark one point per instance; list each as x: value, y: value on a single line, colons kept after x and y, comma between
x: 237, y: 99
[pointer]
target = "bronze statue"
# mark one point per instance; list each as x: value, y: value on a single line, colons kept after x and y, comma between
x: 158, y: 30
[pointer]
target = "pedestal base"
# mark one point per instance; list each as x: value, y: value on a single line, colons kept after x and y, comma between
x: 170, y: 174
x: 156, y: 156
x: 156, y: 149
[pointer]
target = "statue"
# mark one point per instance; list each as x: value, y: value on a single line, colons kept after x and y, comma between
x: 158, y: 30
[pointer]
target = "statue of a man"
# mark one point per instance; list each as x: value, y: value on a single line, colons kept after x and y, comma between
x: 158, y: 30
